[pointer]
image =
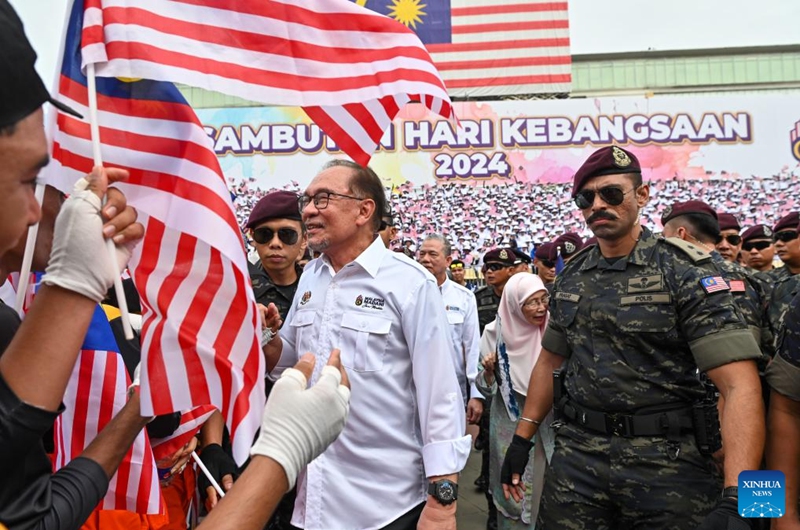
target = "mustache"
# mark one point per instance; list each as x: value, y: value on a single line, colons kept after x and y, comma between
x: 602, y: 214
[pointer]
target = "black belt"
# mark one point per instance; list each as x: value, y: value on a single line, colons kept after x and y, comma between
x: 664, y: 423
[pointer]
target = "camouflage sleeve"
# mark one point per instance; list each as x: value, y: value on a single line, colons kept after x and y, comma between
x: 563, y: 308
x: 783, y: 373
x: 709, y: 320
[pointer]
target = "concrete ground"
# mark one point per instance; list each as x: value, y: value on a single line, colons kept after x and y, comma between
x: 471, y: 512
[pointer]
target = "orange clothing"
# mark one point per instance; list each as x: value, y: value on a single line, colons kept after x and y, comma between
x: 177, y: 495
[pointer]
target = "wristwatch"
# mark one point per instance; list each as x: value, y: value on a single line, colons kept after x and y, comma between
x: 267, y: 335
x: 445, y: 491
x: 731, y: 492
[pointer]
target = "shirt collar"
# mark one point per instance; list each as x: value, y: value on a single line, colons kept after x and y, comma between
x: 369, y: 260
x: 641, y: 254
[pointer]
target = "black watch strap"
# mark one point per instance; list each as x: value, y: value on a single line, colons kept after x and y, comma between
x: 731, y: 492
x: 445, y: 491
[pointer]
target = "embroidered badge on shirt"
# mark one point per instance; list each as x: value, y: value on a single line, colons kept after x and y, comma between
x: 714, y: 284
x: 370, y: 302
x: 569, y: 297
x: 643, y: 284
x: 737, y: 286
x: 306, y: 297
x: 452, y: 308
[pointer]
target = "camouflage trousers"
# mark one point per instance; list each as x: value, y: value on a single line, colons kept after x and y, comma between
x: 602, y: 482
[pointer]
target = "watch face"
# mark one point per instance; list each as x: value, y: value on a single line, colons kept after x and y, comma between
x: 446, y: 492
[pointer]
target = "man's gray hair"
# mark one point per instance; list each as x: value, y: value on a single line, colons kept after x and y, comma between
x: 448, y: 249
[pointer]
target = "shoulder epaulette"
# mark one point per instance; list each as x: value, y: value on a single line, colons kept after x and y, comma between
x: 695, y: 253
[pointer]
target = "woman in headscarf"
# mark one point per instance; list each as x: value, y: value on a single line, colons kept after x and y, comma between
x: 510, y: 347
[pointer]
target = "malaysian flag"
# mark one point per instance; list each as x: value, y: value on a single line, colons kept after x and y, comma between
x: 96, y: 392
x: 713, y: 284
x: 350, y: 68
x: 199, y: 341
x: 189, y: 425
x: 491, y: 47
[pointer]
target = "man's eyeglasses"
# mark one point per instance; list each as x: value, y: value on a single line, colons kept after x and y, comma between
x: 494, y: 267
x: 322, y: 199
x: 732, y: 239
x: 785, y: 236
x: 611, y: 195
x: 547, y: 263
x: 536, y: 302
x: 758, y: 245
x: 264, y: 235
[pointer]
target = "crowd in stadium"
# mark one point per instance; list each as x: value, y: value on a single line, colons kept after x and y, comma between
x: 479, y: 217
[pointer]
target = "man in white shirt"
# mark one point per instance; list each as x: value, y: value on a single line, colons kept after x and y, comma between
x: 396, y: 463
x: 435, y: 254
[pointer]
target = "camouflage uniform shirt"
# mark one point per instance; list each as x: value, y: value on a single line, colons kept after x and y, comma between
x: 781, y: 286
x: 488, y: 302
x: 783, y: 373
x: 634, y: 330
x: 267, y: 292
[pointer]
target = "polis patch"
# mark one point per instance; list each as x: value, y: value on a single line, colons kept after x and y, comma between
x: 646, y: 298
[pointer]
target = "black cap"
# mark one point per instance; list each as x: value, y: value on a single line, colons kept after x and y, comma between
x: 21, y: 89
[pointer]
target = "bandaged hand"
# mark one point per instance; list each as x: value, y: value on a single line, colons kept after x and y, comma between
x: 300, y: 423
x: 79, y: 260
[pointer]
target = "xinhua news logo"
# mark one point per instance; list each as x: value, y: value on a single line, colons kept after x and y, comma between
x: 762, y: 494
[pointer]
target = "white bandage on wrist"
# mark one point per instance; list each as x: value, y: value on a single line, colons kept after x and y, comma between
x: 79, y: 260
x: 299, y: 422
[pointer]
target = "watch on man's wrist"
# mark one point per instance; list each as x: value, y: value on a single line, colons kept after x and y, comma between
x: 731, y: 492
x: 444, y: 491
x: 267, y: 335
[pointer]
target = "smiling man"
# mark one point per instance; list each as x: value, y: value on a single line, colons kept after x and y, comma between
x: 396, y: 463
x: 632, y: 320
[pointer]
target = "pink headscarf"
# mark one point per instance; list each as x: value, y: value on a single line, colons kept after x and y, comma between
x: 523, y: 341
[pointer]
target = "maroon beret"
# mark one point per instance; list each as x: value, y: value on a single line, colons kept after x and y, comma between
x: 591, y: 241
x: 569, y: 243
x: 757, y: 232
x: 505, y: 256
x: 521, y: 257
x: 548, y: 251
x: 683, y: 208
x: 787, y: 222
x: 610, y: 160
x: 275, y: 205
x: 728, y: 221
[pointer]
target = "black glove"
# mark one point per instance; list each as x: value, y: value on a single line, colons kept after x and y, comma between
x: 725, y: 516
x: 516, y: 458
x: 219, y: 464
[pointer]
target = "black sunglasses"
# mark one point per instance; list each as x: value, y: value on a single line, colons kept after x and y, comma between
x: 785, y: 236
x: 494, y: 267
x: 758, y: 245
x: 547, y: 263
x: 732, y: 239
x: 264, y: 235
x: 611, y: 195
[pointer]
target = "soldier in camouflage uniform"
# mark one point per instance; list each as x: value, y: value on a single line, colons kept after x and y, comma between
x: 783, y: 445
x: 632, y: 319
x: 783, y: 283
x: 696, y: 222
x: 499, y: 265
x: 276, y: 275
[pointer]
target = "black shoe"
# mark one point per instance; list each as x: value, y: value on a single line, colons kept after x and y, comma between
x: 480, y: 483
x: 491, y: 523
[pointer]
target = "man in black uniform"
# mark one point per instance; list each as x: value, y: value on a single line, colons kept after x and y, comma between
x: 280, y: 240
x: 499, y: 265
x: 632, y: 319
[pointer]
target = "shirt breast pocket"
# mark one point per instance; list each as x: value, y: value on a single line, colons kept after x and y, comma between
x: 564, y: 313
x: 301, y: 326
x: 658, y: 318
x: 455, y: 319
x: 364, y: 340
